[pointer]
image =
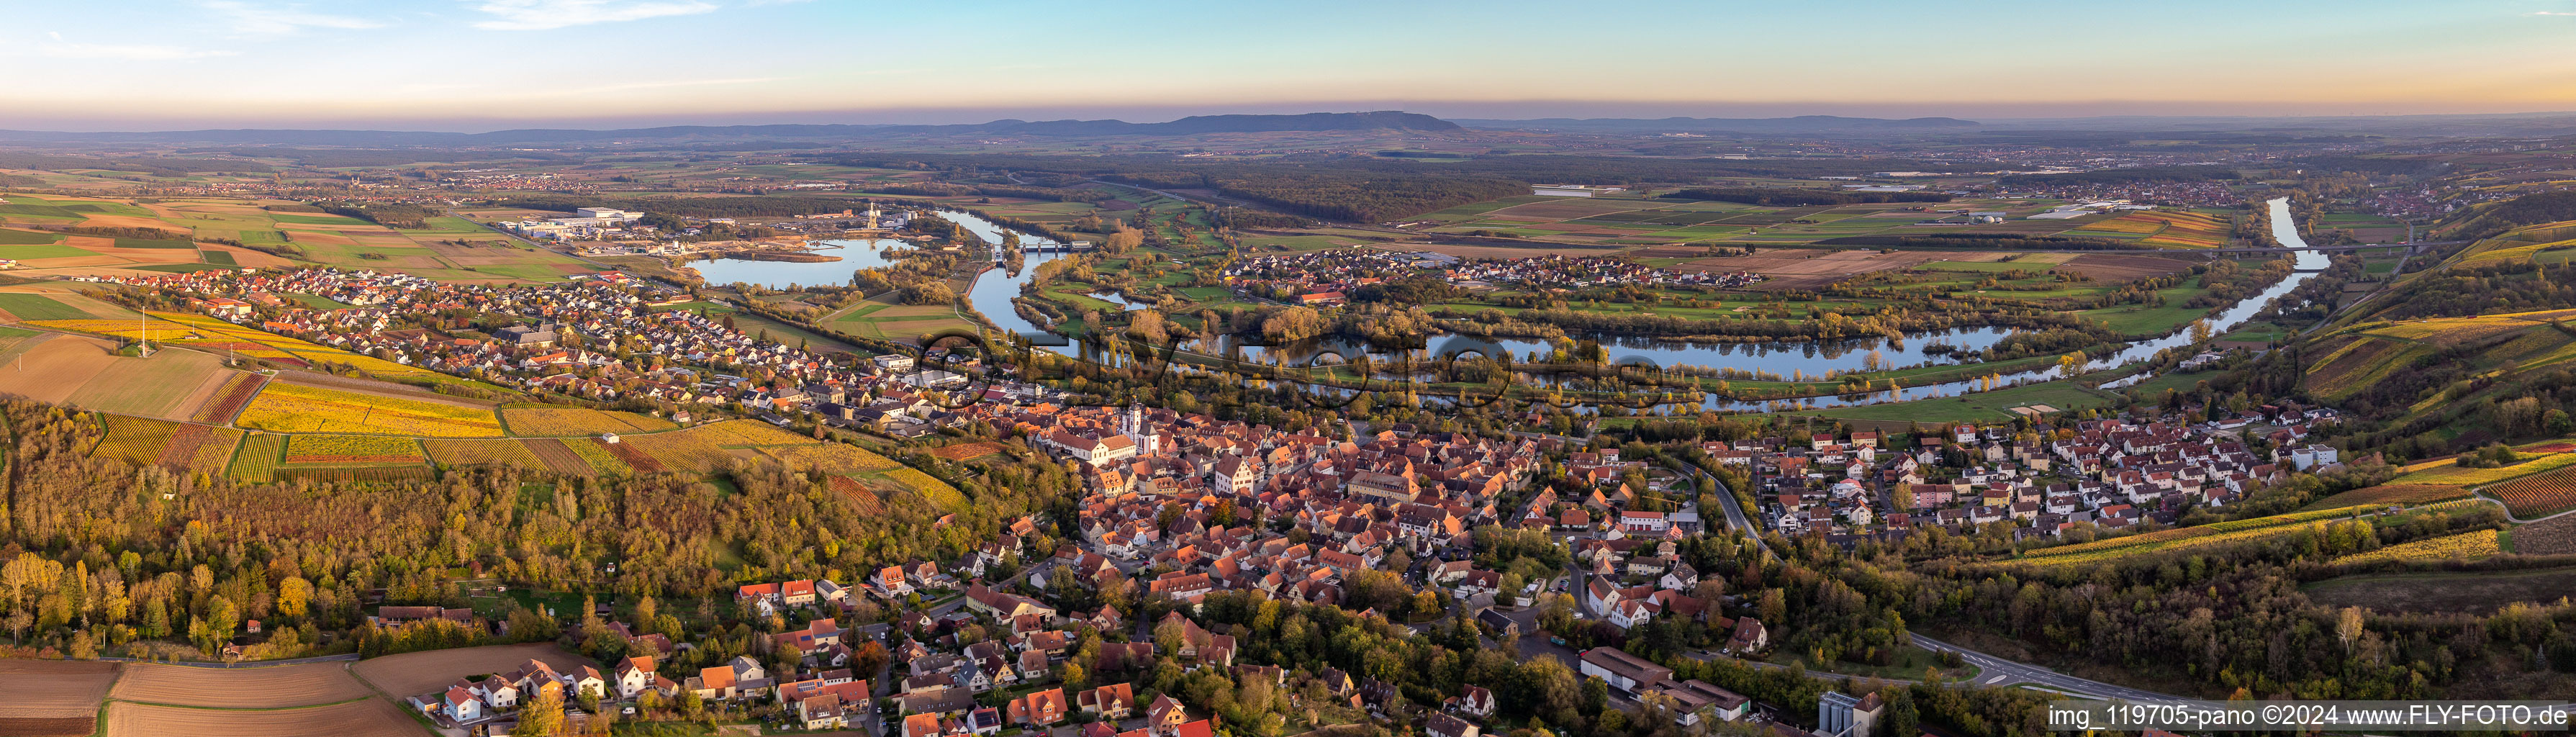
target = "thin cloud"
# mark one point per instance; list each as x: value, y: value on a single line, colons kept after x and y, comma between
x: 58, y: 48
x: 541, y: 15
x: 2553, y: 12
x: 263, y: 20
x: 682, y: 83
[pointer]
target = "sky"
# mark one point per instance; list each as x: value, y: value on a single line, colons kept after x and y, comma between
x: 475, y: 65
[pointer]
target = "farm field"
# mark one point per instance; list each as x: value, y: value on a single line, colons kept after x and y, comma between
x: 170, y: 384
x: 53, y: 698
x: 895, y: 322
x: 2447, y: 592
x: 249, y: 688
x: 366, y: 717
x: 300, y: 408
x: 409, y: 674
x: 50, y: 368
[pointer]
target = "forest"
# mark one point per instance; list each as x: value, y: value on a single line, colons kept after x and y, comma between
x: 101, y: 553
x: 389, y: 214
x: 2492, y: 220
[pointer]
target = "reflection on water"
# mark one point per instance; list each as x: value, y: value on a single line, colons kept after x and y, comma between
x: 855, y: 255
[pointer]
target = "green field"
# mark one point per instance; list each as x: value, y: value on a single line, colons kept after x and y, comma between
x: 26, y: 238
x: 40, y: 307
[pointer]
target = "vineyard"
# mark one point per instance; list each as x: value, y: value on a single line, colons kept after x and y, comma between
x: 256, y: 462
x: 2455, y: 474
x: 735, y: 433
x: 598, y: 458
x: 2181, y: 538
x: 2392, y: 495
x: 135, y: 439
x: 571, y: 422
x: 299, y: 408
x: 833, y: 458
x: 2540, y: 493
x: 372, y: 474
x: 633, y: 457
x: 228, y: 400
x: 2465, y: 546
x: 352, y: 449
x: 201, y: 448
x: 496, y: 452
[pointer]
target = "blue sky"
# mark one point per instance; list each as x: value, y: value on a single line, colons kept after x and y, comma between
x: 480, y: 64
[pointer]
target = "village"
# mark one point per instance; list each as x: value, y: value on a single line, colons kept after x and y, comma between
x: 2108, y: 474
x: 1325, y: 278
x: 1181, y: 508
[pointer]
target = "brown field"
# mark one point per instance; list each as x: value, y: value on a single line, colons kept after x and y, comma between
x: 963, y: 451
x: 255, y: 688
x: 2107, y: 267
x: 417, y: 673
x: 2470, y: 593
x: 1810, y: 269
x: 53, y: 697
x: 2553, y: 536
x: 50, y: 369
x: 363, y: 718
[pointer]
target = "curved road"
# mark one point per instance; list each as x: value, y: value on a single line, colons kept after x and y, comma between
x: 1994, y: 671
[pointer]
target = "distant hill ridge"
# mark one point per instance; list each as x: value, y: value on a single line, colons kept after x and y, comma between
x: 1193, y: 125
x: 1801, y: 123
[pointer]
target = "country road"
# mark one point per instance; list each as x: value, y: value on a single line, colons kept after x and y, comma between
x: 1994, y: 671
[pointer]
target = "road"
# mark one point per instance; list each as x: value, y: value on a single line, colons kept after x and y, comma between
x: 1735, y: 516
x: 1994, y: 671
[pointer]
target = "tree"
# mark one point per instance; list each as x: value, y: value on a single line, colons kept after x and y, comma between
x: 1293, y: 323
x: 1169, y: 636
x: 1075, y: 677
x: 544, y: 715
x: 2200, y: 332
x: 2071, y: 365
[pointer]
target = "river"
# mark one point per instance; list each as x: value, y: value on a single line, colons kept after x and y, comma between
x: 993, y: 290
